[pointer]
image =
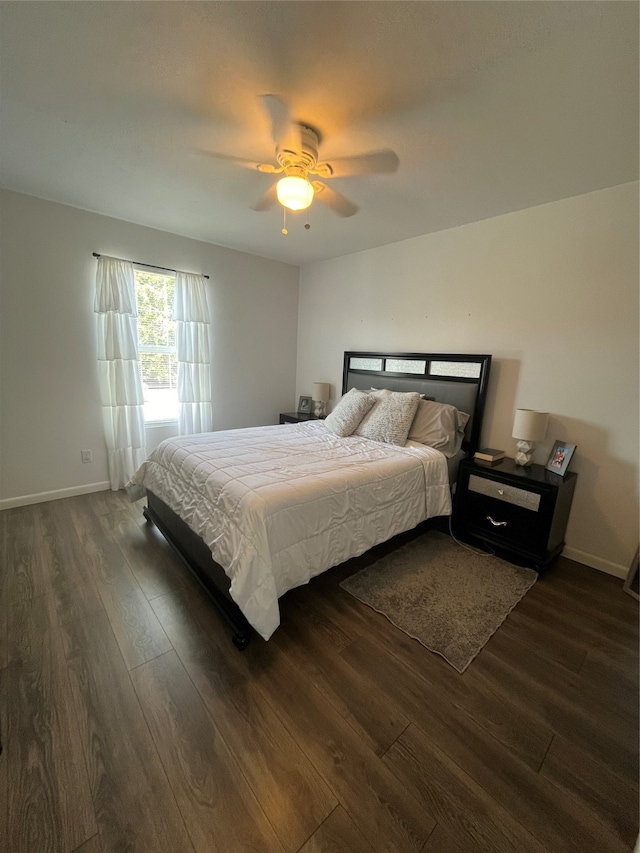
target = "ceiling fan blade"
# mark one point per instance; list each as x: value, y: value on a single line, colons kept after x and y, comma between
x: 240, y: 161
x: 266, y: 201
x: 375, y: 162
x: 285, y: 132
x: 336, y: 201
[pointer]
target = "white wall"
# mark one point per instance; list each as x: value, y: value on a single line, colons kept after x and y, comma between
x: 552, y: 293
x: 49, y: 399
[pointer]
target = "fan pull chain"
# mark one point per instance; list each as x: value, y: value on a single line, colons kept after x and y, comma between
x: 306, y: 224
x: 284, y: 223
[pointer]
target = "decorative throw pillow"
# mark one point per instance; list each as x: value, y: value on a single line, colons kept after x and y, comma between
x: 349, y: 412
x: 390, y: 418
x: 439, y: 425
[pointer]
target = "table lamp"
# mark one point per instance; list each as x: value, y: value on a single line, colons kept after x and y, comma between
x: 528, y: 427
x: 321, y: 394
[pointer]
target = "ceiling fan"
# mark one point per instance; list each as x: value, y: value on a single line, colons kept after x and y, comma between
x: 296, y: 153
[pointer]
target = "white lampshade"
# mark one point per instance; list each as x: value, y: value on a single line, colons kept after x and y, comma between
x: 529, y: 425
x: 321, y: 391
x: 294, y: 192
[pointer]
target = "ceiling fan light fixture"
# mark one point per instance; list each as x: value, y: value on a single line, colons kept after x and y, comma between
x: 294, y: 192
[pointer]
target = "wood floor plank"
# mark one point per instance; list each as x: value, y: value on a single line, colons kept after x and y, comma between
x: 108, y: 501
x: 219, y: 809
x: 490, y: 708
x: 134, y: 623
x: 559, y: 700
x: 378, y: 721
x: 136, y: 627
x: 385, y: 812
x: 4, y: 591
x: 289, y: 789
x: 555, y: 645
x: 93, y: 845
x: 155, y: 566
x: 4, y: 775
x: 134, y: 806
x: 441, y: 842
x: 590, y: 782
x: 26, y: 572
x: 322, y: 595
x: 102, y: 554
x: 603, y: 680
x: 74, y: 588
x: 592, y: 587
x: 545, y: 611
x: 461, y: 806
x: 553, y: 691
x: 326, y: 633
x: 589, y: 614
x: 337, y: 835
x: 557, y: 821
x: 49, y: 798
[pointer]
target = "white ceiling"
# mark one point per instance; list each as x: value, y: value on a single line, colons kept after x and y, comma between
x: 491, y: 107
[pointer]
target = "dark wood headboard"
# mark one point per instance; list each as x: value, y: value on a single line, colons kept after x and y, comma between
x: 459, y: 379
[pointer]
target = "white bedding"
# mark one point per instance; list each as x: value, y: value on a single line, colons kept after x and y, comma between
x: 278, y: 505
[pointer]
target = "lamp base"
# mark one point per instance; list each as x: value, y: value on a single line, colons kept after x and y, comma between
x: 525, y: 453
x: 319, y: 408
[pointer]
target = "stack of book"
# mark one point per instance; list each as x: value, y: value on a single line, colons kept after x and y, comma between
x: 489, y: 455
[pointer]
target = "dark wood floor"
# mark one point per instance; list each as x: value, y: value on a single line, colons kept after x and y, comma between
x: 130, y: 722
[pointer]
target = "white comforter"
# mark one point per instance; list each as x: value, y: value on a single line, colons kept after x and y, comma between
x: 278, y: 505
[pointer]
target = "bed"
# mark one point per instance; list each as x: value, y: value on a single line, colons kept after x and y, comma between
x: 256, y: 512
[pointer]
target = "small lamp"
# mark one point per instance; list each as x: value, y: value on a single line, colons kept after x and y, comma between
x: 528, y: 427
x: 321, y: 395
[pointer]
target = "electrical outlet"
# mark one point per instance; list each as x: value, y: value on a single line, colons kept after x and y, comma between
x: 87, y: 456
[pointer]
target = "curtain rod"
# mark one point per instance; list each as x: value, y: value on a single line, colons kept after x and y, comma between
x: 152, y: 266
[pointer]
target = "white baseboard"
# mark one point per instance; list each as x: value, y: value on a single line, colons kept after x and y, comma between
x: 594, y: 562
x: 41, y: 497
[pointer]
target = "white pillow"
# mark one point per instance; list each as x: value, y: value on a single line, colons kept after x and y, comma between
x: 390, y: 418
x: 349, y: 412
x: 439, y: 425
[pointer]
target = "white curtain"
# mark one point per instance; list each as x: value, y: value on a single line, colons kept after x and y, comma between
x: 118, y: 369
x: 194, y: 361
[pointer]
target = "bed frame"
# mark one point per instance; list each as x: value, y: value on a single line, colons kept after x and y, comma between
x: 458, y: 379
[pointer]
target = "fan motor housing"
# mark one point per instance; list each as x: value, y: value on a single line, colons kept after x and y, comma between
x: 306, y: 156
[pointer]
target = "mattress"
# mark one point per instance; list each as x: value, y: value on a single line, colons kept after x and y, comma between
x: 278, y: 505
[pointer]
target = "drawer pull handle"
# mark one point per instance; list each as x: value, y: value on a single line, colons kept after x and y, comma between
x: 496, y: 523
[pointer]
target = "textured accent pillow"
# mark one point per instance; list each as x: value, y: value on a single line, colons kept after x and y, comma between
x: 390, y: 418
x: 380, y: 392
x: 349, y: 412
x: 439, y: 425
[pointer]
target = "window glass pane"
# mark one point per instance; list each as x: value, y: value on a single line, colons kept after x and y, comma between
x: 157, y: 345
x: 463, y: 369
x: 405, y: 365
x: 159, y: 369
x: 159, y: 385
x: 155, y: 308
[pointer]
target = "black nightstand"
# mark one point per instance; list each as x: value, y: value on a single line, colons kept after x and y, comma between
x: 521, y: 511
x: 296, y: 417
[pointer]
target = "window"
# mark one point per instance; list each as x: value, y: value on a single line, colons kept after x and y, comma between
x: 157, y: 345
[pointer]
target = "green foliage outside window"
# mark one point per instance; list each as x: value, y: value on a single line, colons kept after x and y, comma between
x: 156, y: 328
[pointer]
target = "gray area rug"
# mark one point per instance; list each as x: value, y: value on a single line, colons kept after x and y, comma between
x: 449, y: 598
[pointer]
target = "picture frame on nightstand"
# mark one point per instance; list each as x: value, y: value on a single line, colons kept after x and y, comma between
x: 560, y: 456
x: 304, y: 405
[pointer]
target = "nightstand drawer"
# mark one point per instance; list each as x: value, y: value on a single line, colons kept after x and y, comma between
x: 503, y: 520
x: 503, y: 492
